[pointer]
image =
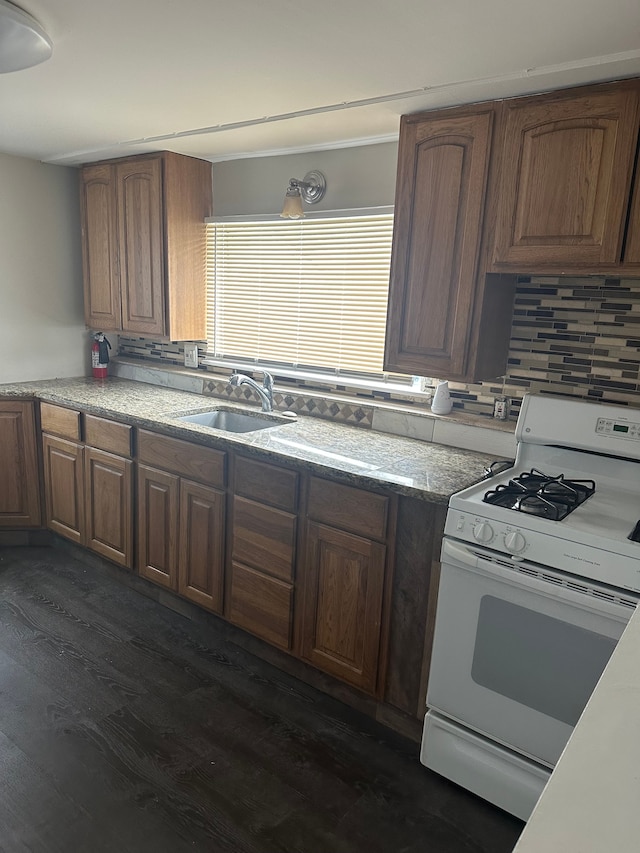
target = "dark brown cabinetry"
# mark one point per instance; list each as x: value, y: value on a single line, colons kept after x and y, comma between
x: 344, y: 581
x: 158, y: 501
x: 442, y: 309
x: 565, y: 182
x: 261, y: 568
x: 20, y: 492
x: 335, y: 576
x: 109, y: 505
x: 109, y: 489
x: 181, y: 517
x: 89, y: 489
x: 63, y: 459
x: 64, y: 487
x: 201, y: 537
x: 546, y: 184
x: 143, y: 243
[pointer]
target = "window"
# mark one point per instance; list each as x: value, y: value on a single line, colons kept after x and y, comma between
x: 308, y: 293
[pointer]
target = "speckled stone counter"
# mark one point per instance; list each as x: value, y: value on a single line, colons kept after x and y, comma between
x: 362, y: 457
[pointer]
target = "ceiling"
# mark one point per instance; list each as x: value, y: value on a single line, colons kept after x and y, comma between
x: 222, y: 80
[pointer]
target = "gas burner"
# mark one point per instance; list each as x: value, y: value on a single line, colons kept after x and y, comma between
x: 540, y: 494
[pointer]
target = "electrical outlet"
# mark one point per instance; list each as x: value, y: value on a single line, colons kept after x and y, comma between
x: 191, y: 355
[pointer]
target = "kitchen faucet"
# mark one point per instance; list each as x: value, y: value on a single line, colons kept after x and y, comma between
x: 265, y: 392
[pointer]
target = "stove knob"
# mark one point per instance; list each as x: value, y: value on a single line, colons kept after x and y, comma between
x: 483, y: 532
x: 514, y: 542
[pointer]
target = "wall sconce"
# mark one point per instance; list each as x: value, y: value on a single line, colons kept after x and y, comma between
x: 23, y: 42
x: 311, y: 188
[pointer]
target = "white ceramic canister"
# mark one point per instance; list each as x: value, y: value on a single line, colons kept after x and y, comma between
x: 441, y: 403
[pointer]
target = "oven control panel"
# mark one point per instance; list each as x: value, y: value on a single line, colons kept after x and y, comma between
x: 505, y: 537
x: 620, y: 429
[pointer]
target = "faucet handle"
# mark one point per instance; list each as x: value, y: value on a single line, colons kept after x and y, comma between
x: 267, y: 382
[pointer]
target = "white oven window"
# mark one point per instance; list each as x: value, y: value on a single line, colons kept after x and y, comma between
x: 546, y: 664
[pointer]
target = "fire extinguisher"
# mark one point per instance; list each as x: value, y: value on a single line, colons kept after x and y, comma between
x: 99, y: 356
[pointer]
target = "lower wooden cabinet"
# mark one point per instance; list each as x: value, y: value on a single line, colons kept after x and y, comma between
x: 109, y: 505
x: 303, y: 562
x: 342, y: 608
x: 201, y: 551
x: 181, y: 536
x: 260, y: 588
x: 180, y: 521
x: 261, y: 565
x: 345, y: 574
x: 261, y: 604
x: 64, y: 487
x: 20, y: 491
x: 89, y: 491
x: 158, y: 497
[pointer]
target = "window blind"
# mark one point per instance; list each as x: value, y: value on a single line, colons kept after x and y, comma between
x: 310, y: 293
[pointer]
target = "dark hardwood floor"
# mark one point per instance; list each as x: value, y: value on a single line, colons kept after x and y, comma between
x: 125, y: 727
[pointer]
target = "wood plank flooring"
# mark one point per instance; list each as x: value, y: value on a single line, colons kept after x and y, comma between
x: 126, y: 727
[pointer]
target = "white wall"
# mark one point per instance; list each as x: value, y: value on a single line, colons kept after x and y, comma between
x: 42, y: 332
x: 363, y: 176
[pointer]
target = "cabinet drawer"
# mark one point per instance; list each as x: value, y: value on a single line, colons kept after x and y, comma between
x: 264, y: 537
x: 189, y: 460
x: 266, y: 483
x: 345, y: 507
x: 60, y: 421
x: 260, y: 604
x: 108, y: 435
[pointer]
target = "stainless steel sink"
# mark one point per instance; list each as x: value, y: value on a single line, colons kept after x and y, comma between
x: 232, y: 421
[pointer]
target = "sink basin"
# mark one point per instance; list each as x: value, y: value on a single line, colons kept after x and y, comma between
x: 231, y: 421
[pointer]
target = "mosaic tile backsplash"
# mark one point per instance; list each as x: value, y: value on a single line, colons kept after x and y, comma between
x: 569, y: 336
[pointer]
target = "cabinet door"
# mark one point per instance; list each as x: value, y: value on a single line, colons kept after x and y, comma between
x: 343, y: 591
x: 20, y: 492
x: 632, y: 246
x: 566, y: 177
x: 139, y: 187
x: 201, y: 567
x: 440, y: 195
x: 64, y: 487
x: 158, y: 495
x: 100, y: 247
x: 109, y: 505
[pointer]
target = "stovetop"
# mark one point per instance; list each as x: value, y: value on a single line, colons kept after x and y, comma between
x: 569, y: 507
x: 551, y: 496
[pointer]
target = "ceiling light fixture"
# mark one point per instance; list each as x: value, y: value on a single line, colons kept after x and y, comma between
x: 23, y: 42
x: 311, y: 188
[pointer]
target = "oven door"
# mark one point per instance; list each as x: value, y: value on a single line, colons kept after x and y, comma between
x: 518, y: 648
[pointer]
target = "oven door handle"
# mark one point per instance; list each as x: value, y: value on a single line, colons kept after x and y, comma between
x: 466, y: 557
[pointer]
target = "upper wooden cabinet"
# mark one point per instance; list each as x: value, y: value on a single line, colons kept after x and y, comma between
x: 566, y: 181
x: 542, y: 184
x: 98, y: 205
x: 143, y: 241
x: 436, y: 298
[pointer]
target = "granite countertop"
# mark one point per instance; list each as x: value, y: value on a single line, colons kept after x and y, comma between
x: 407, y: 466
x: 590, y: 804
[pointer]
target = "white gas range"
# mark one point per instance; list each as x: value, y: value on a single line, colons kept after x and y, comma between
x: 540, y: 574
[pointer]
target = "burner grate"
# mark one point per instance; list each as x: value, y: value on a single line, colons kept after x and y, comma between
x: 536, y: 493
